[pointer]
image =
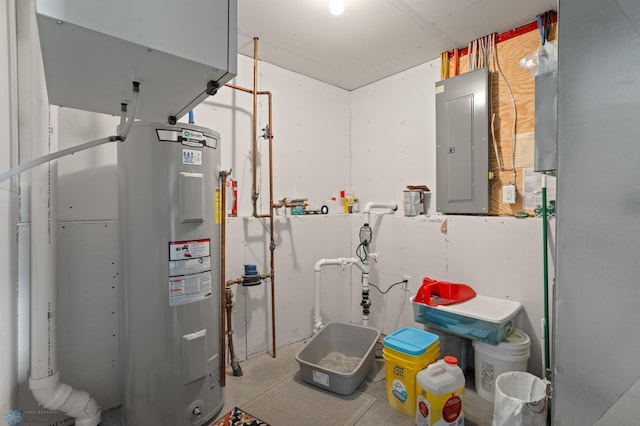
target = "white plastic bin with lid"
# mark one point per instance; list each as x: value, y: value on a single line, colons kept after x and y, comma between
x: 493, y: 360
x: 483, y: 318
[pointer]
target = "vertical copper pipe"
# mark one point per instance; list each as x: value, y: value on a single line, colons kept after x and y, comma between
x: 254, y: 194
x: 223, y: 272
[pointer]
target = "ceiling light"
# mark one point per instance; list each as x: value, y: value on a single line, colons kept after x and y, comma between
x: 336, y: 7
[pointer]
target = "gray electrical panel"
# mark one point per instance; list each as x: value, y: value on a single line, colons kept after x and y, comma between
x: 462, y: 143
x: 546, y: 123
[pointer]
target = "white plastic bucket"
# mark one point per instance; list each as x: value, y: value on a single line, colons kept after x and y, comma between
x: 491, y: 361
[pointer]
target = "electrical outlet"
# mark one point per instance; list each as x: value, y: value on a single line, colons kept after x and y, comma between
x: 406, y: 286
x: 509, y: 194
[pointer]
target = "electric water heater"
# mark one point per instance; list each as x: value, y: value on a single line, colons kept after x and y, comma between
x: 171, y: 264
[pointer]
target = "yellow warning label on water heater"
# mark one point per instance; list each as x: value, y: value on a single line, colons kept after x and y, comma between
x: 218, y: 206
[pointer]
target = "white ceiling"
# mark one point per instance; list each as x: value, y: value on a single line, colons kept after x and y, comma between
x: 372, y: 39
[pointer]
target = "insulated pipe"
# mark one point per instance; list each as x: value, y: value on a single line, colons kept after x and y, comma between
x: 341, y: 261
x: 44, y: 380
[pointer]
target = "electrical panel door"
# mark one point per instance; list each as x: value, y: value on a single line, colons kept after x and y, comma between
x: 546, y: 123
x: 462, y: 138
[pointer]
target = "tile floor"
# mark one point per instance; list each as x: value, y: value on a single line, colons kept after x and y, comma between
x: 263, y: 371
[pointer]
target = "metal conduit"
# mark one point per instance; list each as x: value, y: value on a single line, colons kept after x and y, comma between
x: 223, y: 272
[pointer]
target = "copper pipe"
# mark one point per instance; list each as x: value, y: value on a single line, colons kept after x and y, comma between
x: 254, y: 193
x: 242, y: 89
x: 223, y: 261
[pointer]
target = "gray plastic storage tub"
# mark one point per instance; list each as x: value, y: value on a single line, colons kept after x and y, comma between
x: 339, y: 357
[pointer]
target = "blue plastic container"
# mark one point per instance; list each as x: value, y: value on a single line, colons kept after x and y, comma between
x: 410, y: 341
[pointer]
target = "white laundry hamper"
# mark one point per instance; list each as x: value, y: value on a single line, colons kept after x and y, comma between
x: 520, y: 400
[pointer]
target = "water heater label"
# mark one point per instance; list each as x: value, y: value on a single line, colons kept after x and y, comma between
x: 192, y: 135
x: 179, y: 250
x: 189, y: 266
x: 189, y: 288
x: 189, y: 271
x: 192, y: 157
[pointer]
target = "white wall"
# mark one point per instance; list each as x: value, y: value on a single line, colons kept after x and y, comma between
x: 310, y: 128
x: 311, y: 160
x: 393, y: 135
x: 393, y: 145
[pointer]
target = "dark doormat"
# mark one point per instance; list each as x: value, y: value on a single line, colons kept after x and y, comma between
x: 238, y: 417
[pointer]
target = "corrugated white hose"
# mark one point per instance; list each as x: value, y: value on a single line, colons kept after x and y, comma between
x: 58, y: 154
